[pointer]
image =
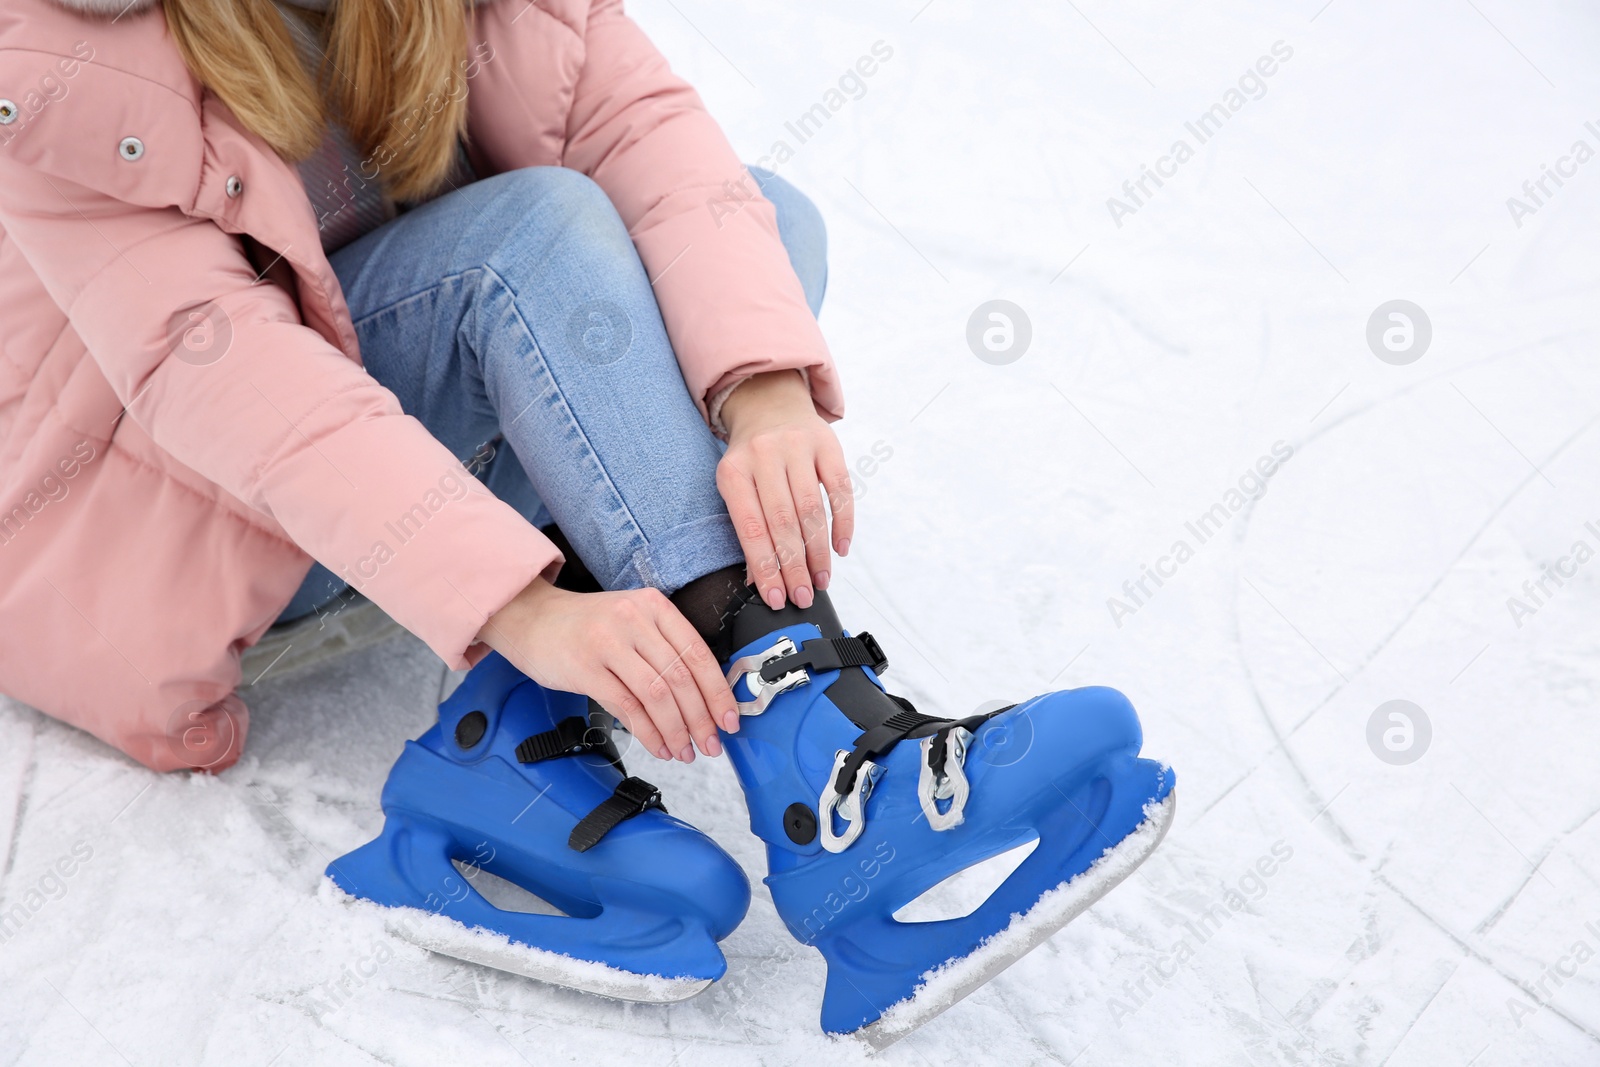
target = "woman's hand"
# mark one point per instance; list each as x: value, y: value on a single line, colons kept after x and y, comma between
x: 779, y: 451
x: 632, y: 651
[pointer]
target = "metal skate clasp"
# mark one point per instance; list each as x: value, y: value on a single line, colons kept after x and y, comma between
x: 851, y: 806
x: 763, y: 691
x: 944, y: 777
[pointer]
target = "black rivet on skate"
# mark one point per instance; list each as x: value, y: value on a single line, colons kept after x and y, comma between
x: 471, y: 728
x: 800, y: 823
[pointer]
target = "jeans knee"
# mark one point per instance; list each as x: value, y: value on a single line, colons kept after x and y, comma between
x: 551, y: 206
x: 555, y: 185
x: 554, y: 232
x: 796, y: 212
x: 804, y: 234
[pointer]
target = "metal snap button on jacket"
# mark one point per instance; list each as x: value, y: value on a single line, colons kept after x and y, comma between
x: 234, y: 186
x: 8, y: 112
x: 131, y: 148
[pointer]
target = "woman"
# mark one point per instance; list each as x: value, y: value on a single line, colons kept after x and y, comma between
x: 275, y: 270
x: 203, y: 482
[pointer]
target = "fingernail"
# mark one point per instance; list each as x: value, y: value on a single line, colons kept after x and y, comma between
x: 687, y: 755
x: 712, y: 747
x: 774, y: 599
x: 822, y: 579
x: 730, y: 721
x: 844, y: 545
x: 663, y: 753
x: 802, y: 596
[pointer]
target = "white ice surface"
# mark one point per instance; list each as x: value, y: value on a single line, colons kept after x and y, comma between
x: 491, y: 948
x: 1418, y: 902
x: 946, y: 984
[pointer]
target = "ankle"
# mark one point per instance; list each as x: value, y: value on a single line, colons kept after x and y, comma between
x: 711, y: 601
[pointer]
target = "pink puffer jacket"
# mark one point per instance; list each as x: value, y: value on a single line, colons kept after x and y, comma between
x: 159, y: 507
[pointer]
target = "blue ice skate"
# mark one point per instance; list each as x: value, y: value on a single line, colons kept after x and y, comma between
x: 521, y: 782
x: 865, y: 805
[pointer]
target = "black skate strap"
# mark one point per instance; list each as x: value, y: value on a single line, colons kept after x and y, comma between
x: 572, y: 736
x: 831, y: 654
x: 876, y: 741
x: 569, y: 737
x: 940, y: 752
x: 633, y: 796
x: 884, y: 719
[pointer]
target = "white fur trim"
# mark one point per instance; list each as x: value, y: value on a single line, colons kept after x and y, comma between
x: 106, y: 7
x: 128, y: 7
x: 714, y: 405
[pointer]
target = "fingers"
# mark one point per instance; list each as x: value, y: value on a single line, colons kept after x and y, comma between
x: 835, y: 477
x: 813, y: 522
x: 656, y: 674
x: 703, y: 665
x: 777, y: 504
x: 738, y: 491
x: 771, y: 488
x: 652, y: 689
x: 615, y: 697
x: 689, y: 704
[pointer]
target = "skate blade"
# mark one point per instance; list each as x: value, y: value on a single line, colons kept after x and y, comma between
x: 953, y: 980
x: 446, y: 937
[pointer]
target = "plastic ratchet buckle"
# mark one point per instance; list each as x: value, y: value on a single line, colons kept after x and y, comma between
x: 850, y: 806
x: 761, y: 690
x: 949, y: 781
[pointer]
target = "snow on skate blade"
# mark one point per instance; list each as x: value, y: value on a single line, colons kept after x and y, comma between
x: 951, y: 981
x: 445, y: 936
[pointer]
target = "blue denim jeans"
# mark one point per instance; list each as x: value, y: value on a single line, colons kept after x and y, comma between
x: 513, y: 318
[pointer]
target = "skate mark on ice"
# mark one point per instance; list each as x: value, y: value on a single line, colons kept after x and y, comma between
x: 1419, y: 1013
x: 358, y: 1046
x: 256, y: 800
x: 20, y: 808
x: 1324, y: 989
x: 1249, y: 1031
x: 1281, y: 743
x: 1261, y: 998
x: 1372, y: 654
x: 1470, y: 950
x: 1540, y: 856
x: 1467, y: 546
x: 1314, y: 795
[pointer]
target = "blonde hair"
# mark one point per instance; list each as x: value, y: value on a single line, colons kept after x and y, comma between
x: 393, y: 76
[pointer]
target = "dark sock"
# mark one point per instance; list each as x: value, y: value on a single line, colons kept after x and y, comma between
x: 574, y: 576
x: 757, y: 620
x: 710, y: 602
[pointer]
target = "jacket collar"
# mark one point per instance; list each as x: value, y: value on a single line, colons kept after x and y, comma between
x: 106, y: 7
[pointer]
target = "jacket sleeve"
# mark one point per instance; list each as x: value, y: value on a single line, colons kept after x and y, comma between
x: 273, y: 414
x: 708, y: 239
